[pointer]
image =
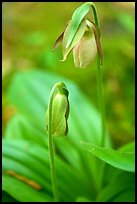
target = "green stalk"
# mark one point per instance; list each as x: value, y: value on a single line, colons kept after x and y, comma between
x: 100, y: 97
x: 101, y: 101
x: 51, y: 146
x: 95, y: 14
x: 60, y: 88
x: 99, y: 80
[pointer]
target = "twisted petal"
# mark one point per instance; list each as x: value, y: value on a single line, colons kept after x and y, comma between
x: 58, y: 41
x: 60, y: 38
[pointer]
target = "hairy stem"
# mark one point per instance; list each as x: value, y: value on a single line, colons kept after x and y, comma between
x: 51, y: 146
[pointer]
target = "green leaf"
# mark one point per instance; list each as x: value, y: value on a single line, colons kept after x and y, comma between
x: 22, y: 191
x: 110, y: 171
x: 7, y: 198
x: 21, y: 158
x: 32, y: 162
x: 121, y: 160
x: 121, y: 188
x: 32, y: 96
x: 77, y: 18
x: 19, y: 127
x: 31, y: 99
x: 82, y: 199
x: 130, y: 147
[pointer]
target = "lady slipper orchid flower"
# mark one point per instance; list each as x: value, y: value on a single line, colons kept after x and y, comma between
x: 85, y: 44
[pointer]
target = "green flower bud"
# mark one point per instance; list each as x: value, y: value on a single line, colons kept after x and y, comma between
x: 60, y: 112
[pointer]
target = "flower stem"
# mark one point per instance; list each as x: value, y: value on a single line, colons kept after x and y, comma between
x: 99, y: 79
x: 95, y: 14
x: 51, y: 146
x: 101, y: 101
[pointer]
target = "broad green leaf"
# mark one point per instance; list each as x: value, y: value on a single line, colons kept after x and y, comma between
x: 32, y: 161
x: 31, y: 98
x: 130, y: 147
x: 77, y: 18
x: 126, y: 196
x: 22, y: 191
x: 19, y: 127
x: 7, y: 198
x: 82, y: 199
x: 111, y: 171
x: 120, y: 189
x: 121, y: 160
x: 20, y: 157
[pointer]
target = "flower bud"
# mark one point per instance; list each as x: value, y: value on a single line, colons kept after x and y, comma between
x: 60, y: 111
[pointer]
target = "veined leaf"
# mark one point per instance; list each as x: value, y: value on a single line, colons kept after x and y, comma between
x: 111, y: 171
x: 7, y: 198
x: 31, y: 162
x: 31, y: 99
x: 23, y: 192
x: 121, y: 160
x: 19, y: 127
x: 130, y: 147
x: 120, y: 189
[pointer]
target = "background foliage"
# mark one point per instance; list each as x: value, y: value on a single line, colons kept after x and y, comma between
x: 28, y: 34
x: 29, y: 70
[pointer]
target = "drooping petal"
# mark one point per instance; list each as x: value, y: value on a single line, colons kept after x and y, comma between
x: 96, y: 32
x: 85, y: 51
x: 77, y: 18
x: 60, y: 38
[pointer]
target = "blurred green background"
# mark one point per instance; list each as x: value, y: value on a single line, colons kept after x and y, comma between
x: 29, y: 31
